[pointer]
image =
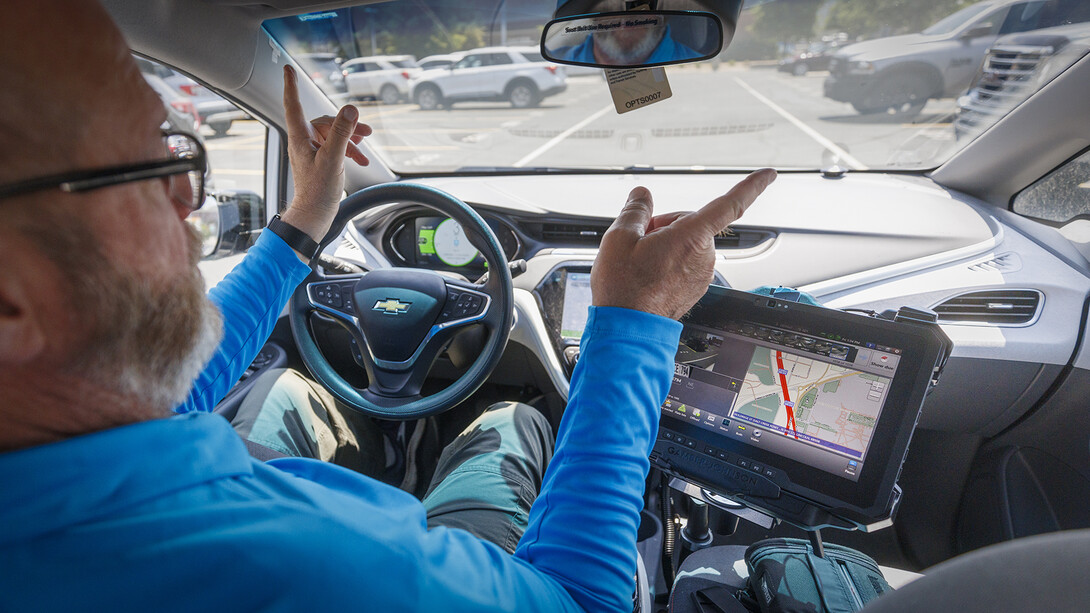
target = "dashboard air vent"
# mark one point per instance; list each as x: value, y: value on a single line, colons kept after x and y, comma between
x: 1000, y: 307
x: 568, y: 233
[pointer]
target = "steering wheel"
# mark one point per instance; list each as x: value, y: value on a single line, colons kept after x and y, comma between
x: 402, y: 318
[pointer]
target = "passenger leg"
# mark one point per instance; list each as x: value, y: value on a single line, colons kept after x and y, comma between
x: 489, y: 476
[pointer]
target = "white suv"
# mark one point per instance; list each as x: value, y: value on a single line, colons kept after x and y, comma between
x: 516, y: 74
x: 382, y: 77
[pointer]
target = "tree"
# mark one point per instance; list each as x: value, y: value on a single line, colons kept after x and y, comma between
x: 785, y: 21
x: 871, y: 18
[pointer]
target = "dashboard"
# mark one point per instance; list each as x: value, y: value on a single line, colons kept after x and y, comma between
x: 864, y: 241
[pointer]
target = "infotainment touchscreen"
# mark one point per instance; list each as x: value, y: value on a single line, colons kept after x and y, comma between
x: 576, y: 302
x: 799, y: 411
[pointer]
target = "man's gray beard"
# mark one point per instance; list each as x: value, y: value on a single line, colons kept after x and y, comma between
x: 146, y: 342
x: 609, y: 47
x: 152, y: 342
x: 160, y: 345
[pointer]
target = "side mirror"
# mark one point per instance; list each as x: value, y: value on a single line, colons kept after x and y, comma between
x: 228, y: 222
x: 208, y: 222
x: 633, y: 39
x: 977, y: 32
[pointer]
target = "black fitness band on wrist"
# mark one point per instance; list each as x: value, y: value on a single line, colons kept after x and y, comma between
x: 294, y: 237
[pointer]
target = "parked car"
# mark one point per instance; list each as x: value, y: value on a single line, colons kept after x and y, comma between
x: 816, y: 57
x: 437, y: 61
x: 516, y: 74
x: 379, y: 77
x: 212, y: 109
x: 899, y: 74
x: 1015, y: 67
x: 181, y: 112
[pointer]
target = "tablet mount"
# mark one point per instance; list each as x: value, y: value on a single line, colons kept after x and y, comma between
x: 706, y: 474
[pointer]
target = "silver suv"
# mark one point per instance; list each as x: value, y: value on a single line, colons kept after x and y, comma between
x: 899, y: 74
x: 382, y: 77
x: 518, y: 75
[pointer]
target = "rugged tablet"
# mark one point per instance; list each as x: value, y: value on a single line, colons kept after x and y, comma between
x: 801, y: 412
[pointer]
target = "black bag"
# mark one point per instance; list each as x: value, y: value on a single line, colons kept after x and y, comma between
x: 785, y: 576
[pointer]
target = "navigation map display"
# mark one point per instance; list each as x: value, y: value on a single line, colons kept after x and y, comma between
x: 804, y: 396
x: 576, y: 302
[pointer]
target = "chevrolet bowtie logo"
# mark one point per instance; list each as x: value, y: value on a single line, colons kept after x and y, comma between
x: 392, y: 306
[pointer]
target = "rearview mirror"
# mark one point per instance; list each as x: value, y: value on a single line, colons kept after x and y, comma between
x: 634, y: 39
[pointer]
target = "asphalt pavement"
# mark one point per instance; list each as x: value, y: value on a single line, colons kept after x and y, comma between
x: 730, y: 117
x: 733, y: 117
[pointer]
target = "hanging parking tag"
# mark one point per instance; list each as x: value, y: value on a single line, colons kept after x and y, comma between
x: 634, y: 88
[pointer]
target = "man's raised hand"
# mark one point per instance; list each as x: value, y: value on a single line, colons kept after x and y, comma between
x: 663, y: 264
x: 316, y: 150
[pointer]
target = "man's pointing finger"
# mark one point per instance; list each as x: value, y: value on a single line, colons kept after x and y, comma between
x: 724, y: 210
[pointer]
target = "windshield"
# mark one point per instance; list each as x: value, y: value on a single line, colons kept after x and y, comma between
x: 499, y: 107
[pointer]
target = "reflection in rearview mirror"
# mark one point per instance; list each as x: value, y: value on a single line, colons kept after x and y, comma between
x: 632, y: 39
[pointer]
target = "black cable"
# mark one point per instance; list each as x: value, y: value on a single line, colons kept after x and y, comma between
x: 669, y: 536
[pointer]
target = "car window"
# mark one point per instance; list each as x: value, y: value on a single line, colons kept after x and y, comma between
x: 234, y: 210
x: 1069, y: 11
x: 1060, y: 196
x: 499, y: 59
x: 371, y: 66
x: 353, y: 68
x: 532, y: 56
x: 471, y: 61
x: 1023, y: 17
x: 954, y: 21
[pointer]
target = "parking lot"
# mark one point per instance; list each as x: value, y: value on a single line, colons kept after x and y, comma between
x: 760, y: 117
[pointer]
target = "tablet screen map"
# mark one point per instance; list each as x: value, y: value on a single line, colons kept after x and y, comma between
x: 808, y: 399
x: 816, y: 399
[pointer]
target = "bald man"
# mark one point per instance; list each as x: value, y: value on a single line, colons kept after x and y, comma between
x: 108, y: 502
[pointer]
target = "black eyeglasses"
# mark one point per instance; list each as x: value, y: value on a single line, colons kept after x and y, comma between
x: 187, y: 156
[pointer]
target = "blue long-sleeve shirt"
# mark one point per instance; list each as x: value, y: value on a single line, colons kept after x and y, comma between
x: 173, y: 514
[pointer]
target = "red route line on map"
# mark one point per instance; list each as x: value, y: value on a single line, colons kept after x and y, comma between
x: 786, y: 396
